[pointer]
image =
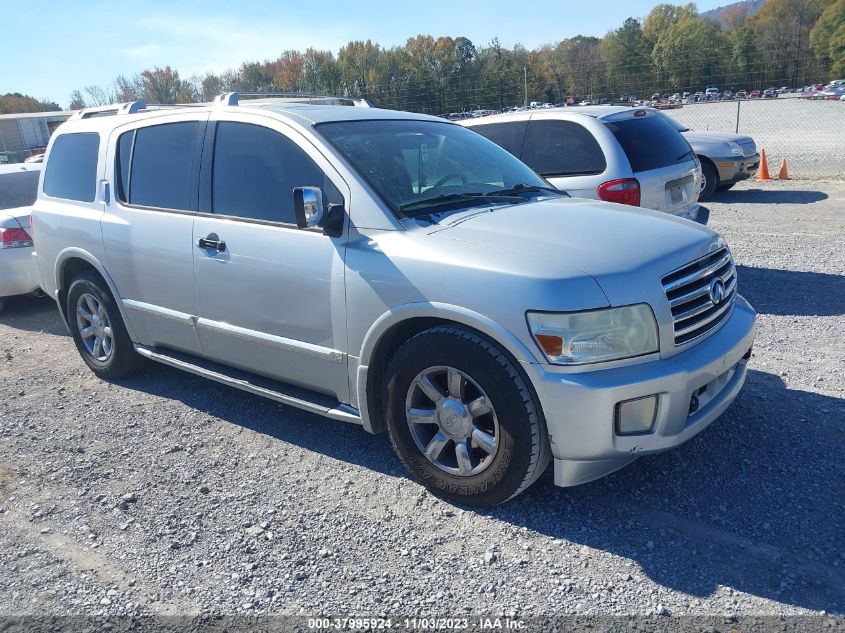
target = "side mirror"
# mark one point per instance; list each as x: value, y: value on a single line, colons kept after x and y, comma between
x: 308, y: 207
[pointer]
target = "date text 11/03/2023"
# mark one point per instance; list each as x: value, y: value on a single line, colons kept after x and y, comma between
x: 416, y: 624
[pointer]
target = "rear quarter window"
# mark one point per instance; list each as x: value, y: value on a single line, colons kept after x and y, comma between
x: 650, y: 142
x: 71, y: 170
x: 18, y: 189
x: 562, y: 148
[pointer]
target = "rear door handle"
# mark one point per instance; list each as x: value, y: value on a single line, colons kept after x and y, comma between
x: 211, y: 242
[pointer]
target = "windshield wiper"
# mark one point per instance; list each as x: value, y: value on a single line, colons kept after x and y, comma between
x: 451, y: 198
x: 521, y: 188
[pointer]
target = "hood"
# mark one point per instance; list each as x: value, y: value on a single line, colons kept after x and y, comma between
x: 612, y: 243
x: 715, y: 137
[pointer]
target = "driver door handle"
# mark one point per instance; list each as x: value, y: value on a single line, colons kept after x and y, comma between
x: 211, y: 243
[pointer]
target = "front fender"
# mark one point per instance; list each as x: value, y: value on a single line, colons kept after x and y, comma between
x: 448, y: 312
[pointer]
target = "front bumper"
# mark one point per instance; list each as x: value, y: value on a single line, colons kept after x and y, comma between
x: 735, y: 168
x: 18, y: 272
x: 579, y: 407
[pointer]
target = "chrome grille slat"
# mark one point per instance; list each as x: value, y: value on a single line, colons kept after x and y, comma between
x: 693, y: 312
x: 696, y: 275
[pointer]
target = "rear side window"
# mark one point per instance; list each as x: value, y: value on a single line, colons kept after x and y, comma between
x: 508, y: 136
x: 255, y: 171
x: 650, y: 142
x: 71, y: 171
x: 162, y: 165
x: 18, y: 189
x: 562, y: 148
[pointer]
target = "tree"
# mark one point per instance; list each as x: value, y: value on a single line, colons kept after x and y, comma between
x: 625, y: 52
x: 783, y: 28
x: 827, y: 38
x: 690, y: 53
x: 14, y: 103
x: 76, y: 101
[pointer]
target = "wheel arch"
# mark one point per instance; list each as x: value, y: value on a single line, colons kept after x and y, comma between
x: 69, y: 264
x: 398, y: 325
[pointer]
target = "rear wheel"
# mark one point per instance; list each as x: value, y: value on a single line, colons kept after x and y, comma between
x: 710, y: 180
x: 98, y: 329
x: 462, y: 418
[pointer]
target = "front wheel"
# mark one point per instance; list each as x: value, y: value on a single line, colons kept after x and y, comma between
x: 462, y: 418
x: 98, y: 330
x: 710, y: 180
x: 725, y: 187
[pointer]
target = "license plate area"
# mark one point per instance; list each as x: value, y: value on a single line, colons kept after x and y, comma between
x: 679, y: 191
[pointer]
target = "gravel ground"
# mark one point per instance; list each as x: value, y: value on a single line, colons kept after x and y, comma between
x: 167, y: 494
x: 810, y: 135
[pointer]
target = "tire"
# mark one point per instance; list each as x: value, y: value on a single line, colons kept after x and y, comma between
x: 725, y: 187
x: 118, y: 359
x: 711, y: 181
x: 521, y: 450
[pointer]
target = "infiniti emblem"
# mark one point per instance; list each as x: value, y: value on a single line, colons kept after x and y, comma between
x: 717, y: 291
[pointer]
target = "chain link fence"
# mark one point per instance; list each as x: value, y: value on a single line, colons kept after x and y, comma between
x: 809, y: 134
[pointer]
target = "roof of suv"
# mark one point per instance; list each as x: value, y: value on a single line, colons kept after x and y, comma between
x: 596, y: 112
x: 308, y: 114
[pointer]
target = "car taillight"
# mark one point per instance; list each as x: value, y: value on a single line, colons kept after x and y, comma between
x: 623, y: 191
x: 15, y: 238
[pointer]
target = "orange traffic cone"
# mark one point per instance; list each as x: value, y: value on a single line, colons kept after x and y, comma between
x: 763, y: 173
x: 783, y: 175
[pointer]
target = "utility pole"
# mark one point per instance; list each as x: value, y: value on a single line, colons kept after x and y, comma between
x: 525, y: 80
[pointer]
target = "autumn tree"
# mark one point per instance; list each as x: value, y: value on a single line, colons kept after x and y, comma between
x: 827, y: 38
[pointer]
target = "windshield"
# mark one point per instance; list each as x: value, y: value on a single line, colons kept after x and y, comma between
x: 424, y: 167
x: 18, y: 189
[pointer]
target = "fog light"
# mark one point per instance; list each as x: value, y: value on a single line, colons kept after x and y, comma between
x: 634, y: 417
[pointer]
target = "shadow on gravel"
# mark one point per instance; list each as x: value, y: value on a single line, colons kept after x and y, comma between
x: 754, y: 503
x: 770, y: 196
x: 32, y: 314
x: 792, y: 293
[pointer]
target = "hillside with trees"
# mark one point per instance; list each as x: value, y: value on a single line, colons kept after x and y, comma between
x: 674, y: 48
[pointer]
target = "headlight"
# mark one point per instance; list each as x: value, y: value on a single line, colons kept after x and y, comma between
x: 736, y: 150
x: 574, y: 338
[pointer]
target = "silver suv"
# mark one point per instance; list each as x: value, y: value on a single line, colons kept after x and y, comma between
x: 614, y: 153
x: 395, y: 271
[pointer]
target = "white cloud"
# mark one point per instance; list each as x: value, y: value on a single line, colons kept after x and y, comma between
x: 201, y: 44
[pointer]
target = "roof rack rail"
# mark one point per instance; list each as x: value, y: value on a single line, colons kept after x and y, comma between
x: 233, y: 98
x: 130, y: 107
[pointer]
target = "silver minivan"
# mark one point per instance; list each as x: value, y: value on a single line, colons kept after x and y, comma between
x: 612, y: 153
x: 395, y: 271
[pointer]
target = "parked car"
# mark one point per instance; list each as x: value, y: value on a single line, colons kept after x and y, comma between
x: 712, y: 92
x: 741, y: 94
x: 726, y: 158
x: 613, y: 153
x: 352, y: 262
x: 18, y: 189
x: 770, y: 93
x: 755, y: 94
x: 35, y: 158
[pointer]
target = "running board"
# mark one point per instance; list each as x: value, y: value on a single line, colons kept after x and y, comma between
x: 280, y: 392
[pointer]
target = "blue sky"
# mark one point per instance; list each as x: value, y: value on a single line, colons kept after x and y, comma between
x: 50, y: 48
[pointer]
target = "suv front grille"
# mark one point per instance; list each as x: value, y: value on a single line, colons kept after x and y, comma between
x: 701, y: 295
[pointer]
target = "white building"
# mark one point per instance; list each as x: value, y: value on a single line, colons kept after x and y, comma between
x: 23, y: 134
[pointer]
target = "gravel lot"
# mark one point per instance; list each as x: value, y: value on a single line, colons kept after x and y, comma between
x: 810, y: 135
x: 166, y: 494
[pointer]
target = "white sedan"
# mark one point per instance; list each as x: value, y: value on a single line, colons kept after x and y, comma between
x: 18, y: 271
